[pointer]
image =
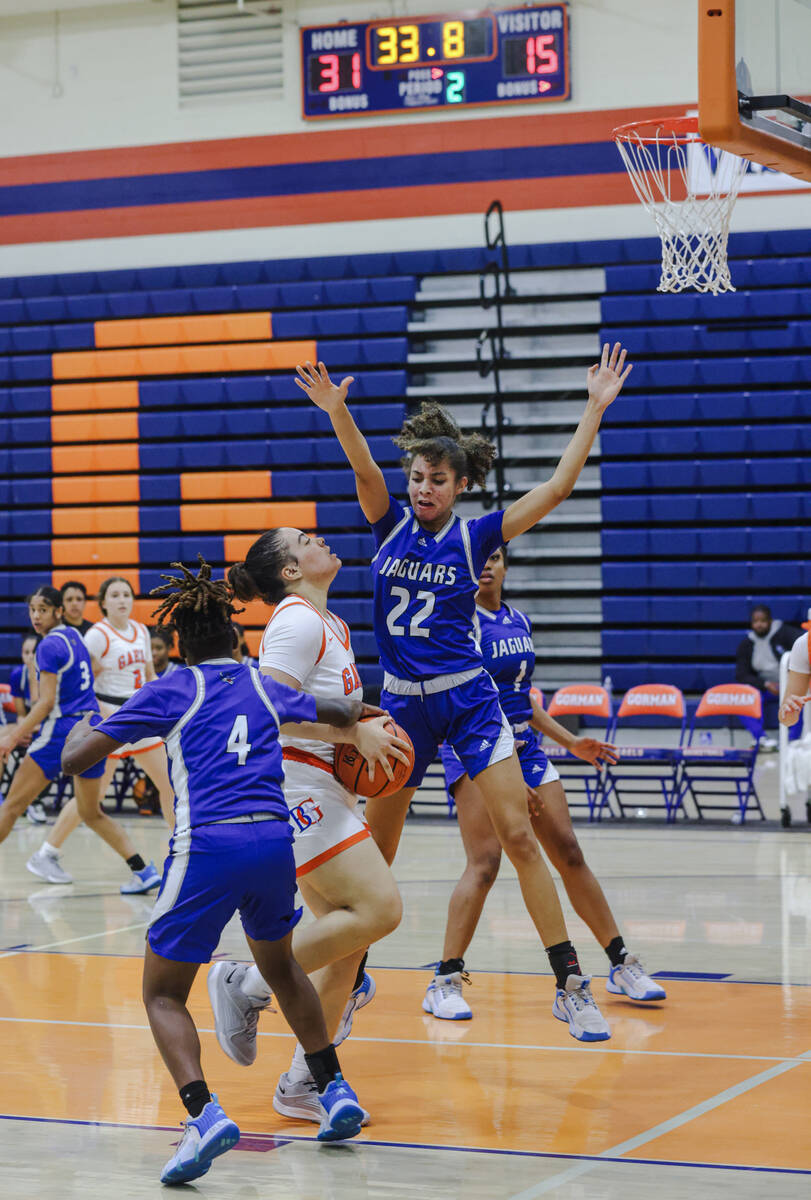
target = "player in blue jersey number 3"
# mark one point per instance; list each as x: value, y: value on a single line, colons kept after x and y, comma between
x: 425, y: 574
x: 232, y: 849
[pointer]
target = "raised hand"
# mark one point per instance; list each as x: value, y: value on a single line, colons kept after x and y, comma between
x: 605, y: 379
x: 315, y: 381
x: 599, y: 754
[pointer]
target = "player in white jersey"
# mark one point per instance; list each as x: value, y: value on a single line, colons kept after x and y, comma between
x: 341, y: 873
x: 121, y: 654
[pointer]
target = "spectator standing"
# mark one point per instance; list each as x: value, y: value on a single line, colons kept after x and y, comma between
x: 757, y: 663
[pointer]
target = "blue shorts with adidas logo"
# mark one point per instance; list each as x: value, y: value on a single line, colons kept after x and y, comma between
x: 467, y: 717
x: 535, y: 766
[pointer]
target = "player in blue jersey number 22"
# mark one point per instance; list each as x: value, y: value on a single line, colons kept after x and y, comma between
x: 425, y: 574
x: 232, y: 849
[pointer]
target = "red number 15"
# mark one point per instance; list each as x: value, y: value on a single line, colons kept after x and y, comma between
x: 542, y: 58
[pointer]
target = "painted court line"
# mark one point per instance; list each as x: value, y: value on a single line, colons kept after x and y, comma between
x: 581, y: 1159
x: 86, y: 937
x: 597, y: 1049
x: 649, y: 1135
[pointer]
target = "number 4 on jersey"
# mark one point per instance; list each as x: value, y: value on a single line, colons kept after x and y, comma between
x: 238, y: 740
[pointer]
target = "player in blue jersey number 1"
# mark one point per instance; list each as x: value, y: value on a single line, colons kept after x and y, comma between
x: 425, y: 574
x: 231, y: 850
x: 65, y: 692
x: 505, y: 636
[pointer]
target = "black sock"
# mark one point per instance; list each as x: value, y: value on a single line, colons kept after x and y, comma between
x: 450, y: 965
x: 563, y: 961
x: 361, y: 969
x: 323, y: 1066
x: 616, y: 951
x: 195, y: 1097
x: 135, y: 862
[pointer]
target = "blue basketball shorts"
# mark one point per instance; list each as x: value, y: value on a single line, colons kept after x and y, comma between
x: 246, y: 867
x: 46, y: 750
x: 535, y: 766
x: 468, y: 718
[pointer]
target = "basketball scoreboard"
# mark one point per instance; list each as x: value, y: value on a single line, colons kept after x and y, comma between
x: 506, y: 56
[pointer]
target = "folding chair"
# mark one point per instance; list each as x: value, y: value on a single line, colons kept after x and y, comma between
x: 652, y: 769
x: 731, y: 767
x: 581, y: 700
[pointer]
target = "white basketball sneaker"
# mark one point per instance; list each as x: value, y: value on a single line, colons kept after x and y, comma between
x: 236, y: 1014
x: 363, y: 994
x: 300, y: 1101
x: 444, y: 999
x: 575, y: 1004
x: 629, y: 979
x: 47, y: 867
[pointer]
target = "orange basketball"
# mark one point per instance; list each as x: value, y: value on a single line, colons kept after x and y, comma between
x: 350, y: 767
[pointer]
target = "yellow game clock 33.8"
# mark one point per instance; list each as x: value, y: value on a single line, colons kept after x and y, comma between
x: 430, y: 42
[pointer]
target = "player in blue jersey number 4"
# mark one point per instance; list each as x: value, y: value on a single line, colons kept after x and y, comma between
x: 425, y: 575
x: 231, y: 850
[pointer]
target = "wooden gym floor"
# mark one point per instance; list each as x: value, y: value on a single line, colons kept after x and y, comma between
x: 706, y: 1094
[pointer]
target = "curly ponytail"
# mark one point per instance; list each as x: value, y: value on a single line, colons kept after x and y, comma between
x: 433, y: 434
x: 260, y: 575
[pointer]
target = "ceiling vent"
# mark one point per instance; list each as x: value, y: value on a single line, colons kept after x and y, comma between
x: 229, y: 49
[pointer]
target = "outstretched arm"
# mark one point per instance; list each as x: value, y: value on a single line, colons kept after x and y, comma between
x: 589, y: 749
x: 604, y: 383
x: 373, y: 495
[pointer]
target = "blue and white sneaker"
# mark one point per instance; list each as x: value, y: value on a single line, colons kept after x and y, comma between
x: 444, y: 999
x: 629, y: 979
x: 206, y: 1136
x: 341, y: 1115
x: 575, y: 1004
x: 362, y: 995
x: 142, y: 881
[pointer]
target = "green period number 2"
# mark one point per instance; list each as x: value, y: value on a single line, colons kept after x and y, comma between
x: 455, y: 87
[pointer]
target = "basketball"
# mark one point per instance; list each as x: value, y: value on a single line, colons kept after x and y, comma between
x: 350, y: 767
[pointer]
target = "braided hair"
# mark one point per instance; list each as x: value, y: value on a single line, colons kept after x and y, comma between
x: 433, y: 434
x: 199, y: 608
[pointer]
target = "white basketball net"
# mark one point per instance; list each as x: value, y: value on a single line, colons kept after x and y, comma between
x: 693, y: 227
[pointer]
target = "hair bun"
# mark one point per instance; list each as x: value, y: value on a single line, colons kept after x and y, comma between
x: 242, y: 583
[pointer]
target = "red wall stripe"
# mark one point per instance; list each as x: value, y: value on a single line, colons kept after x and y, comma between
x: 568, y: 191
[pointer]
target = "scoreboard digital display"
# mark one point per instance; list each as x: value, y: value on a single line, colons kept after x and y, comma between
x: 506, y: 56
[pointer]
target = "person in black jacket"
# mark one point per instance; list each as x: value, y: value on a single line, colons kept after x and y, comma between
x: 757, y: 662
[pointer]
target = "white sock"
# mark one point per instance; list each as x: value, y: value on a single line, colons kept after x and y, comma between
x: 254, y: 985
x: 298, y: 1071
x: 47, y: 848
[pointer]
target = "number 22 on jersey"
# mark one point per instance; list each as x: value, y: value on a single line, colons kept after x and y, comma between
x: 416, y: 626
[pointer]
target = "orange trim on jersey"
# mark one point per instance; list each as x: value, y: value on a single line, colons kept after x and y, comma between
x: 293, y: 754
x: 118, y: 632
x: 360, y: 836
x: 343, y: 638
x: 175, y: 331
x: 135, y: 753
x: 98, y: 626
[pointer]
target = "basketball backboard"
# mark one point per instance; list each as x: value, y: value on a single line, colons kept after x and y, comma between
x: 754, y: 81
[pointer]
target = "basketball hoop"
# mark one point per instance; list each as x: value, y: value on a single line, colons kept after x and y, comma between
x: 689, y: 189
